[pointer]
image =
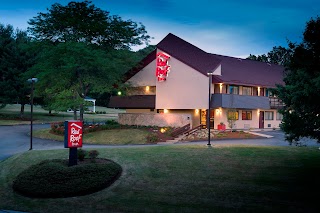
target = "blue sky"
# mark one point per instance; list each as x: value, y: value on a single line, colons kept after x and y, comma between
x: 227, y: 27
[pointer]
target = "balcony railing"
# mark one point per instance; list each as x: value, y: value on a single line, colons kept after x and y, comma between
x: 275, y: 103
x: 239, y: 101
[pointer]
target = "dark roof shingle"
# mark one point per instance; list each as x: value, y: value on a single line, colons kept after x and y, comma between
x: 189, y: 54
x: 249, y: 72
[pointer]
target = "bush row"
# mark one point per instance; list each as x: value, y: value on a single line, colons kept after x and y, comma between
x: 58, y: 127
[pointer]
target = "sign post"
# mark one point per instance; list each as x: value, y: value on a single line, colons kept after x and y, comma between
x: 73, y: 139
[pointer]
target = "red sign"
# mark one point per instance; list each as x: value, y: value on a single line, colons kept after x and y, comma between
x: 163, y: 68
x: 73, y: 134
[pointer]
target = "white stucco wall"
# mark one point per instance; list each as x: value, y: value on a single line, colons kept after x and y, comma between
x: 273, y: 123
x: 185, y: 88
x: 145, y: 77
x: 245, y: 124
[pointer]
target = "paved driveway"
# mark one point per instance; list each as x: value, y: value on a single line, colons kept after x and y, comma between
x: 15, y: 139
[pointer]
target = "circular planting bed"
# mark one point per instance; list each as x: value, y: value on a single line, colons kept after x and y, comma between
x: 54, y: 179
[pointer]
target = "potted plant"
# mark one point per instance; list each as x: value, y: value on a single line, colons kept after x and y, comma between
x: 221, y: 126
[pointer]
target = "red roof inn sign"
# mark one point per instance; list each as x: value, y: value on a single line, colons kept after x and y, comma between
x: 163, y: 68
x: 73, y: 134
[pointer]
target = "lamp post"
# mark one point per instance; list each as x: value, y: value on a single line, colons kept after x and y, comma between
x: 32, y: 81
x: 210, y: 74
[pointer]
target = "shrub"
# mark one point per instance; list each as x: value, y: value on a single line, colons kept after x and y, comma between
x: 93, y: 154
x: 82, y: 154
x: 57, y: 128
x: 54, y: 179
x: 152, y: 138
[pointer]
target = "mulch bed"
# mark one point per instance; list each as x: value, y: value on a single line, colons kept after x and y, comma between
x: 222, y: 135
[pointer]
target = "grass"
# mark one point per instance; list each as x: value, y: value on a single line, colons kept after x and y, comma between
x: 185, y: 179
x: 107, y: 137
x: 42, y: 116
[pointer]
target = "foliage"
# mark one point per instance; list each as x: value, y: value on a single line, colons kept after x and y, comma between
x: 84, y: 22
x: 232, y: 117
x: 57, y: 128
x: 278, y: 55
x: 81, y: 154
x: 77, y: 68
x: 16, y: 56
x: 53, y: 179
x: 302, y: 87
x: 93, y: 154
x: 152, y: 138
x: 86, y: 50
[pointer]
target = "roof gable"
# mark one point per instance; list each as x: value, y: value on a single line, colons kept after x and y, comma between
x: 189, y: 54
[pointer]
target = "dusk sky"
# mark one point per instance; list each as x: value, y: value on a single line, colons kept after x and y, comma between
x: 228, y: 27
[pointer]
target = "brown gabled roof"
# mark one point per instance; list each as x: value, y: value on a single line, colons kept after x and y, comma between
x: 133, y: 102
x: 248, y: 72
x: 143, y: 63
x: 189, y: 54
x: 233, y: 70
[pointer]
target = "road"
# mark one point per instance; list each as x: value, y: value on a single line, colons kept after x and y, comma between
x: 16, y: 139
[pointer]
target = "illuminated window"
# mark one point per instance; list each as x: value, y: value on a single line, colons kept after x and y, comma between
x: 246, y: 115
x: 233, y: 115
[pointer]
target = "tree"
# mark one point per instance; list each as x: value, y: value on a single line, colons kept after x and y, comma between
x: 232, y: 117
x: 15, y: 59
x: 83, y: 22
x: 68, y: 71
x: 278, y: 55
x: 262, y: 58
x: 301, y: 92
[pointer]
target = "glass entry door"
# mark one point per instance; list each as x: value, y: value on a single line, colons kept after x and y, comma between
x: 203, y: 118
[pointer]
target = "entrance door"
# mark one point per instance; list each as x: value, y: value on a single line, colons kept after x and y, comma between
x: 261, y: 120
x: 204, y: 118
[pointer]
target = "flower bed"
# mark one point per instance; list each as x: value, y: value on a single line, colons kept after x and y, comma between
x: 203, y: 135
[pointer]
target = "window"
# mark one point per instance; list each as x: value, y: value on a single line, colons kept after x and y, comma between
x: 246, y: 90
x: 233, y: 89
x: 268, y: 115
x: 246, y: 115
x: 279, y: 116
x: 233, y: 115
x: 217, y: 88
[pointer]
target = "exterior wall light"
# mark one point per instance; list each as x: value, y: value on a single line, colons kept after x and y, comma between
x: 196, y: 111
x: 147, y: 88
x: 119, y: 92
x: 165, y: 111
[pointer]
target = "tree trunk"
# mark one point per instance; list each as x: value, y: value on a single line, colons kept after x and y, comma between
x: 75, y: 114
x: 22, y: 110
x: 50, y: 111
x: 81, y: 112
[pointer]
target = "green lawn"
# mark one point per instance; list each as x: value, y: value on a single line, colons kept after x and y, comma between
x: 106, y: 137
x: 42, y: 116
x: 186, y: 179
